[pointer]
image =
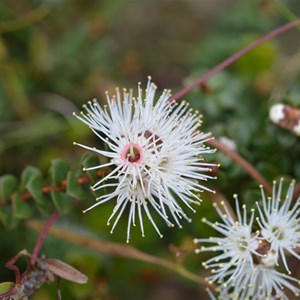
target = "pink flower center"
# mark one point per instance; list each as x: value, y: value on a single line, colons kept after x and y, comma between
x: 132, y: 153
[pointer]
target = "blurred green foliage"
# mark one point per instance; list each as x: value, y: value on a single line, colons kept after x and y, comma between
x: 56, y: 55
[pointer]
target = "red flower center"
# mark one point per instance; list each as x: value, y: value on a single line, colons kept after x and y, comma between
x: 132, y: 153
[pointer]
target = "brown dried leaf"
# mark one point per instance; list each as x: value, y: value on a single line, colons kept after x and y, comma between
x: 65, y: 271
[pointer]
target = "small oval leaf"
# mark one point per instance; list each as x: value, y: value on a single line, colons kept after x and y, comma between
x: 27, y: 173
x: 21, y: 209
x: 58, y: 171
x: 65, y: 271
x: 7, y: 218
x: 6, y: 286
x: 46, y: 208
x: 62, y: 202
x: 75, y: 189
x: 34, y: 186
x: 8, y: 184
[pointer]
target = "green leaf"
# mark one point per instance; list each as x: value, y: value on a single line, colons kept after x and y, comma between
x: 74, y: 188
x: 47, y: 208
x: 3, y: 217
x: 8, y: 184
x: 6, y: 286
x: 29, y: 172
x: 35, y: 185
x: 58, y: 171
x: 44, y: 203
x: 7, y: 218
x: 62, y: 202
x: 21, y: 209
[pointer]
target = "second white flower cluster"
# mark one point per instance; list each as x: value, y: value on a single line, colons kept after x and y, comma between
x: 247, y: 262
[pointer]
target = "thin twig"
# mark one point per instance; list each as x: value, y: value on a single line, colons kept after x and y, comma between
x: 243, y: 163
x: 117, y: 250
x: 235, y: 57
x: 59, y: 296
x: 43, y: 233
x: 9, y: 293
x: 200, y: 81
x: 84, y: 179
x: 81, y: 180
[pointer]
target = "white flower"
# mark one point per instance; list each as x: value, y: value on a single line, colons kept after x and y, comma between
x: 262, y: 283
x: 279, y: 222
x: 155, y: 153
x: 259, y: 283
x: 245, y: 268
x: 237, y: 245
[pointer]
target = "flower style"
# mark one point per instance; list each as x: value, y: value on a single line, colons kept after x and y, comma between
x: 155, y: 153
x: 237, y: 246
x: 280, y: 225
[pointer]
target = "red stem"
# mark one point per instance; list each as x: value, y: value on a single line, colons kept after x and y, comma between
x: 244, y: 164
x: 9, y: 293
x: 235, y: 57
x: 42, y: 236
x: 202, y: 80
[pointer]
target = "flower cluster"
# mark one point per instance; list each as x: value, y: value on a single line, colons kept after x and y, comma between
x: 246, y: 264
x: 155, y: 155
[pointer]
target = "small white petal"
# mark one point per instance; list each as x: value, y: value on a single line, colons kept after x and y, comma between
x: 276, y: 113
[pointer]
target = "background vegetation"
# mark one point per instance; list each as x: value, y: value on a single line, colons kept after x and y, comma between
x: 56, y: 55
